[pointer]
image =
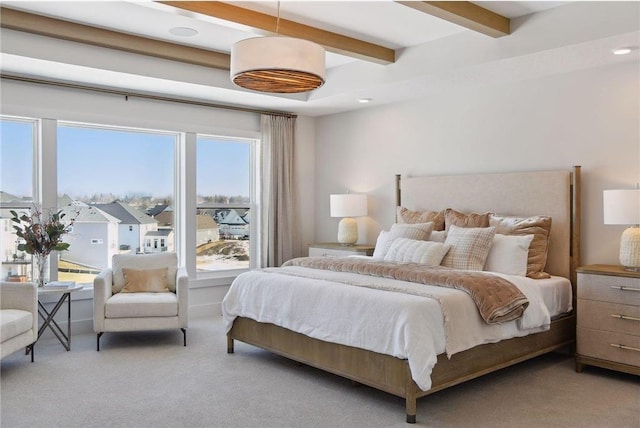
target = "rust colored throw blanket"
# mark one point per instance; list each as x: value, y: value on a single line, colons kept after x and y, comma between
x: 497, y: 299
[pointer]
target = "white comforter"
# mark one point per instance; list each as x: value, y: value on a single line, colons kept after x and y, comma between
x: 350, y: 309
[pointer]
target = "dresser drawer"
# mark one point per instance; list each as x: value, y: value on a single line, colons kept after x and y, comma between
x: 612, y: 317
x: 609, y: 288
x: 598, y: 344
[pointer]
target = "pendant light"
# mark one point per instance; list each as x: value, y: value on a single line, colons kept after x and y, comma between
x: 277, y: 64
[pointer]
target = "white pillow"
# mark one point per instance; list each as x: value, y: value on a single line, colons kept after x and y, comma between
x: 410, y: 250
x: 419, y: 231
x: 509, y: 254
x: 438, y: 236
x: 469, y: 247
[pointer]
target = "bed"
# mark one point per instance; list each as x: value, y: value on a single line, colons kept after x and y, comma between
x: 555, y: 194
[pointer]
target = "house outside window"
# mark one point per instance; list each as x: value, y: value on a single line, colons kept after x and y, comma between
x: 225, y: 200
x: 113, y: 186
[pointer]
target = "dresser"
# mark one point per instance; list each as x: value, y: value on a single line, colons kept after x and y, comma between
x: 608, y: 325
x: 335, y: 249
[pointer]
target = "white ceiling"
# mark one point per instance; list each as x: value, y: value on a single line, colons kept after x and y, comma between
x: 432, y: 54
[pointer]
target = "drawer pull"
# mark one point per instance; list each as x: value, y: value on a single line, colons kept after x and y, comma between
x: 623, y: 288
x: 628, y: 348
x: 625, y: 317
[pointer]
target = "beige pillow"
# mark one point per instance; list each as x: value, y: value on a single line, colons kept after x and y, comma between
x: 538, y: 226
x: 408, y: 216
x: 143, y: 261
x: 145, y: 280
x: 456, y: 218
x: 469, y: 247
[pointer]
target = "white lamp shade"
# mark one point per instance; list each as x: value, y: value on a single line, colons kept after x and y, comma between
x: 621, y: 206
x: 348, y: 205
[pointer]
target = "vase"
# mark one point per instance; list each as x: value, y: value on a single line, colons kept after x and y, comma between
x: 40, y: 272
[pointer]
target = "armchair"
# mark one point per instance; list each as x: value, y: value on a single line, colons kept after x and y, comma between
x: 141, y: 292
x: 18, y: 317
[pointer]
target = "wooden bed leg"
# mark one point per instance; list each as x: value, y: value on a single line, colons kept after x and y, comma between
x: 410, y: 396
x: 229, y: 344
x: 411, y: 411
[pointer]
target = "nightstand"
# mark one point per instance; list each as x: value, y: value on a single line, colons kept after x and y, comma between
x: 335, y: 249
x: 608, y: 326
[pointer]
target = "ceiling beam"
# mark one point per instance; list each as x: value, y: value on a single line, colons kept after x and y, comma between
x: 465, y: 14
x: 51, y: 27
x: 332, y: 42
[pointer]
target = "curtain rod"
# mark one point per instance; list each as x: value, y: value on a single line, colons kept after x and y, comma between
x: 133, y: 94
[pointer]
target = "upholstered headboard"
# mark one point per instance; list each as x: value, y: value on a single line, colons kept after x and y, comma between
x: 551, y: 193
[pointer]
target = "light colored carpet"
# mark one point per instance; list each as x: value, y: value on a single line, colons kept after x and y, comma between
x: 151, y: 380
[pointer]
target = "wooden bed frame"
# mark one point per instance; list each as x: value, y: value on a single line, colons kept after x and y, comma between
x: 532, y: 192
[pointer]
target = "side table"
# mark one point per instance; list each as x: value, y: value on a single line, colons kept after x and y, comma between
x: 335, y: 249
x: 47, y: 316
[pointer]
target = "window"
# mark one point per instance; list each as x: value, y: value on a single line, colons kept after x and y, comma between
x: 110, y: 177
x: 17, y: 149
x: 225, y: 198
x: 102, y: 171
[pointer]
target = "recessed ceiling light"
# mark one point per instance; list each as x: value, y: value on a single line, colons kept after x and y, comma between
x: 365, y: 100
x: 183, y: 31
x: 621, y: 51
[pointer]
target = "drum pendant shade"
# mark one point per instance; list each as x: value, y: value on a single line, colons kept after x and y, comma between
x: 278, y: 64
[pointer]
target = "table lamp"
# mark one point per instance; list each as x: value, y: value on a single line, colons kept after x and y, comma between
x: 622, y: 206
x: 348, y: 206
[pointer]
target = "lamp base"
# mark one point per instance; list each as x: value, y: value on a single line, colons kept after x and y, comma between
x: 348, y: 231
x: 630, y: 249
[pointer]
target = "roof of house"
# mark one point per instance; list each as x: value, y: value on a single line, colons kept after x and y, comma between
x: 154, y: 211
x: 126, y: 213
x: 205, y: 222
x: 88, y: 214
x: 233, y: 218
x: 8, y: 197
x: 159, y: 232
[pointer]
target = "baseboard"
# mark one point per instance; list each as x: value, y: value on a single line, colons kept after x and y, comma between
x: 207, y: 310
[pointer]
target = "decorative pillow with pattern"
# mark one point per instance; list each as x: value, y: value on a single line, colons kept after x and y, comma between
x: 469, y: 247
x: 405, y: 215
x: 538, y: 226
x: 410, y: 250
x: 456, y: 218
x: 418, y: 231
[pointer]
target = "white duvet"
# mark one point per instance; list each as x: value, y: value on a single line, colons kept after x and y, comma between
x: 357, y: 310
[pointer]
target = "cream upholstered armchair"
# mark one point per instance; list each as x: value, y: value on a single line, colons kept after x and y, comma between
x: 18, y: 317
x: 141, y: 292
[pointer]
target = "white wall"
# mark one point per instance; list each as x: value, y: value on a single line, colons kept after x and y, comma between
x: 588, y: 118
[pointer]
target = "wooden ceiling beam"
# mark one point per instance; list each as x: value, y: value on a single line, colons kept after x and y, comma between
x: 332, y: 42
x: 465, y: 14
x: 51, y: 27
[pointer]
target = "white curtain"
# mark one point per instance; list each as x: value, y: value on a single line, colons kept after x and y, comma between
x: 278, y: 221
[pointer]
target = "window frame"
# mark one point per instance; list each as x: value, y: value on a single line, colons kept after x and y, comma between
x: 45, y: 186
x: 253, y: 205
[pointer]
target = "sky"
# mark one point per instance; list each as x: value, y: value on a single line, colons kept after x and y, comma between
x: 123, y: 162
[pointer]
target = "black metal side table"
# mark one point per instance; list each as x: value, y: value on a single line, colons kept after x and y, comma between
x: 47, y: 316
